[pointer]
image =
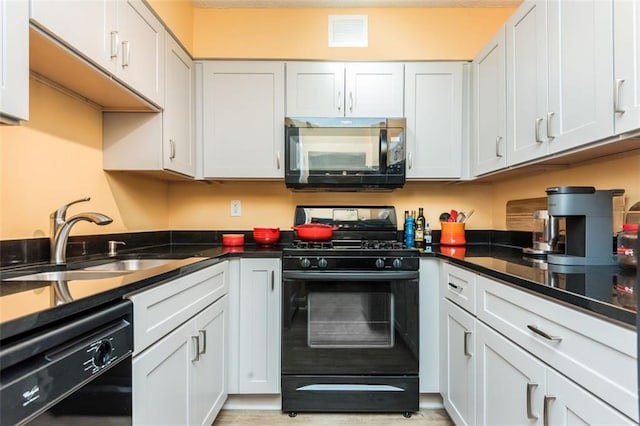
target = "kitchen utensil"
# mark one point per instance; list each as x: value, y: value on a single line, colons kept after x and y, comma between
x: 461, y: 217
x: 232, y: 240
x: 468, y: 215
x: 453, y: 215
x: 444, y: 217
x: 314, y: 231
x: 266, y: 236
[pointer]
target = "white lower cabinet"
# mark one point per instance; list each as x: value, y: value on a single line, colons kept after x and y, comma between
x: 254, y: 347
x: 458, y: 374
x: 179, y: 372
x: 510, y: 357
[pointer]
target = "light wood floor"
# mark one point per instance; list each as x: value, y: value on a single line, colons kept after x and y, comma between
x: 272, y: 418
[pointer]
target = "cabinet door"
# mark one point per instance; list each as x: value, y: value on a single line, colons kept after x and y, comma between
x: 433, y: 106
x: 527, y: 79
x: 511, y: 382
x: 580, y: 72
x: 459, y: 370
x: 141, y: 50
x: 566, y: 403
x: 178, y: 147
x: 161, y: 380
x: 209, y: 390
x: 243, y: 119
x: 315, y: 89
x: 489, y: 107
x: 374, y: 89
x: 260, y: 288
x: 88, y: 27
x: 626, y: 33
x: 14, y: 61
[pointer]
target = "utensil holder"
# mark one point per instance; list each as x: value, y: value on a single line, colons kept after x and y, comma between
x: 452, y: 234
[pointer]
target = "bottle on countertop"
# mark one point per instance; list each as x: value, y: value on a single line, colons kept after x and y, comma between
x: 427, y: 234
x: 409, y: 239
x: 420, y: 228
x: 404, y: 225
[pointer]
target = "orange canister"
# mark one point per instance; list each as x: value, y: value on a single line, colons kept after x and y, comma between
x: 452, y: 234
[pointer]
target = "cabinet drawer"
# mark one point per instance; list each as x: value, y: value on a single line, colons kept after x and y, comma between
x: 459, y: 286
x: 597, y: 354
x: 163, y: 308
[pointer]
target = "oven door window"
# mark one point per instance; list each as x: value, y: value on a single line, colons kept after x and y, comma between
x: 350, y: 320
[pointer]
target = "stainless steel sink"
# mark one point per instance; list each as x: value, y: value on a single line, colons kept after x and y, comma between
x: 69, y: 275
x: 130, y: 265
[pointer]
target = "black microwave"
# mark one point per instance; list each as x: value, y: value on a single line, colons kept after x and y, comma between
x: 345, y: 153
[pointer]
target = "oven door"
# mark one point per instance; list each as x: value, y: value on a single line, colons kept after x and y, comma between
x: 350, y: 323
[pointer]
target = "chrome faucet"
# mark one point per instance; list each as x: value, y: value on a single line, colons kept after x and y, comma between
x: 61, y: 226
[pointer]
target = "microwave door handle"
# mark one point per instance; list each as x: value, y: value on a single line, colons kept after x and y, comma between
x: 384, y: 150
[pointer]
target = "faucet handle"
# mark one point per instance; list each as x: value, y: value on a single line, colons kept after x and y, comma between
x: 61, y: 213
x: 113, y: 247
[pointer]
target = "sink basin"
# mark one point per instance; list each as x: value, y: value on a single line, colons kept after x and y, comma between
x: 69, y: 275
x: 129, y: 265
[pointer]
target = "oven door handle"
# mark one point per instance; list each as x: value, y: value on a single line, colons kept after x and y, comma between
x: 350, y: 275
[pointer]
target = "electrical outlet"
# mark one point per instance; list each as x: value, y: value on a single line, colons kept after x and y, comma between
x: 236, y: 208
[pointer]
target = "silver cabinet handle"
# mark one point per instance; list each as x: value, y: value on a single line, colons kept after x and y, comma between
x: 350, y: 101
x: 498, y: 139
x: 273, y: 279
x: 616, y: 97
x: 543, y: 334
x: 549, y: 117
x: 196, y: 341
x: 278, y: 160
x: 456, y: 287
x: 467, y: 334
x: 410, y: 159
x: 538, y: 123
x: 339, y: 100
x: 530, y: 388
x: 125, y: 54
x: 203, y: 334
x: 114, y: 44
x: 172, y: 149
x: 545, y: 413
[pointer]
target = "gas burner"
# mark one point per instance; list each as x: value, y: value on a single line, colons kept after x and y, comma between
x: 381, y: 245
x: 299, y: 244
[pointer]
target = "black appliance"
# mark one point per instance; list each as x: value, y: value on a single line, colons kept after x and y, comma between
x: 74, y: 372
x: 344, y: 153
x: 350, y: 315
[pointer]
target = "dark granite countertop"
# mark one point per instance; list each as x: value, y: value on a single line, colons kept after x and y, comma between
x: 607, y: 291
x: 28, y: 305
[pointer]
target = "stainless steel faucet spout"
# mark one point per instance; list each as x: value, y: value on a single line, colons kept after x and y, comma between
x: 60, y: 228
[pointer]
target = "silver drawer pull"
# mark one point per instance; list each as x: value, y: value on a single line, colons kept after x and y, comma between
x: 196, y: 341
x: 456, y: 287
x: 203, y: 334
x: 543, y: 334
x: 530, y: 388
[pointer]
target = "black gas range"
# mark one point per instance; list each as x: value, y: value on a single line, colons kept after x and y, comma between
x: 365, y: 239
x: 350, y: 315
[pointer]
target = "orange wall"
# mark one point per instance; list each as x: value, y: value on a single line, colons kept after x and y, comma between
x: 301, y: 33
x: 178, y: 16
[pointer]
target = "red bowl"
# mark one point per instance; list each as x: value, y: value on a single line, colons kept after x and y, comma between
x: 232, y: 240
x: 266, y: 236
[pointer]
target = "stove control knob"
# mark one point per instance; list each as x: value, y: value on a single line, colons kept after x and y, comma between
x: 380, y: 263
x: 397, y: 263
x: 305, y: 263
x: 102, y: 353
x: 322, y: 263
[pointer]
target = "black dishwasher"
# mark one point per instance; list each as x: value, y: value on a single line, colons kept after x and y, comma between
x: 77, y: 371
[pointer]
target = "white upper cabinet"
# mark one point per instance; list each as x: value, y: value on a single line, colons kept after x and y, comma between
x: 433, y: 107
x: 527, y: 82
x: 626, y: 33
x: 489, y: 134
x: 122, y: 37
x: 328, y: 89
x: 14, y: 61
x: 242, y: 118
x: 580, y: 56
x: 157, y: 141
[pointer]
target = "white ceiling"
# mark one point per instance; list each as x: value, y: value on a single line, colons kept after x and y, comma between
x: 353, y: 3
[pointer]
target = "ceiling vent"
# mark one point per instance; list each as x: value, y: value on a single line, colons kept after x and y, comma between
x: 348, y: 31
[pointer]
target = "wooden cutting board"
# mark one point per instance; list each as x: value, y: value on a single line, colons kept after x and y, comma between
x: 519, y: 215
